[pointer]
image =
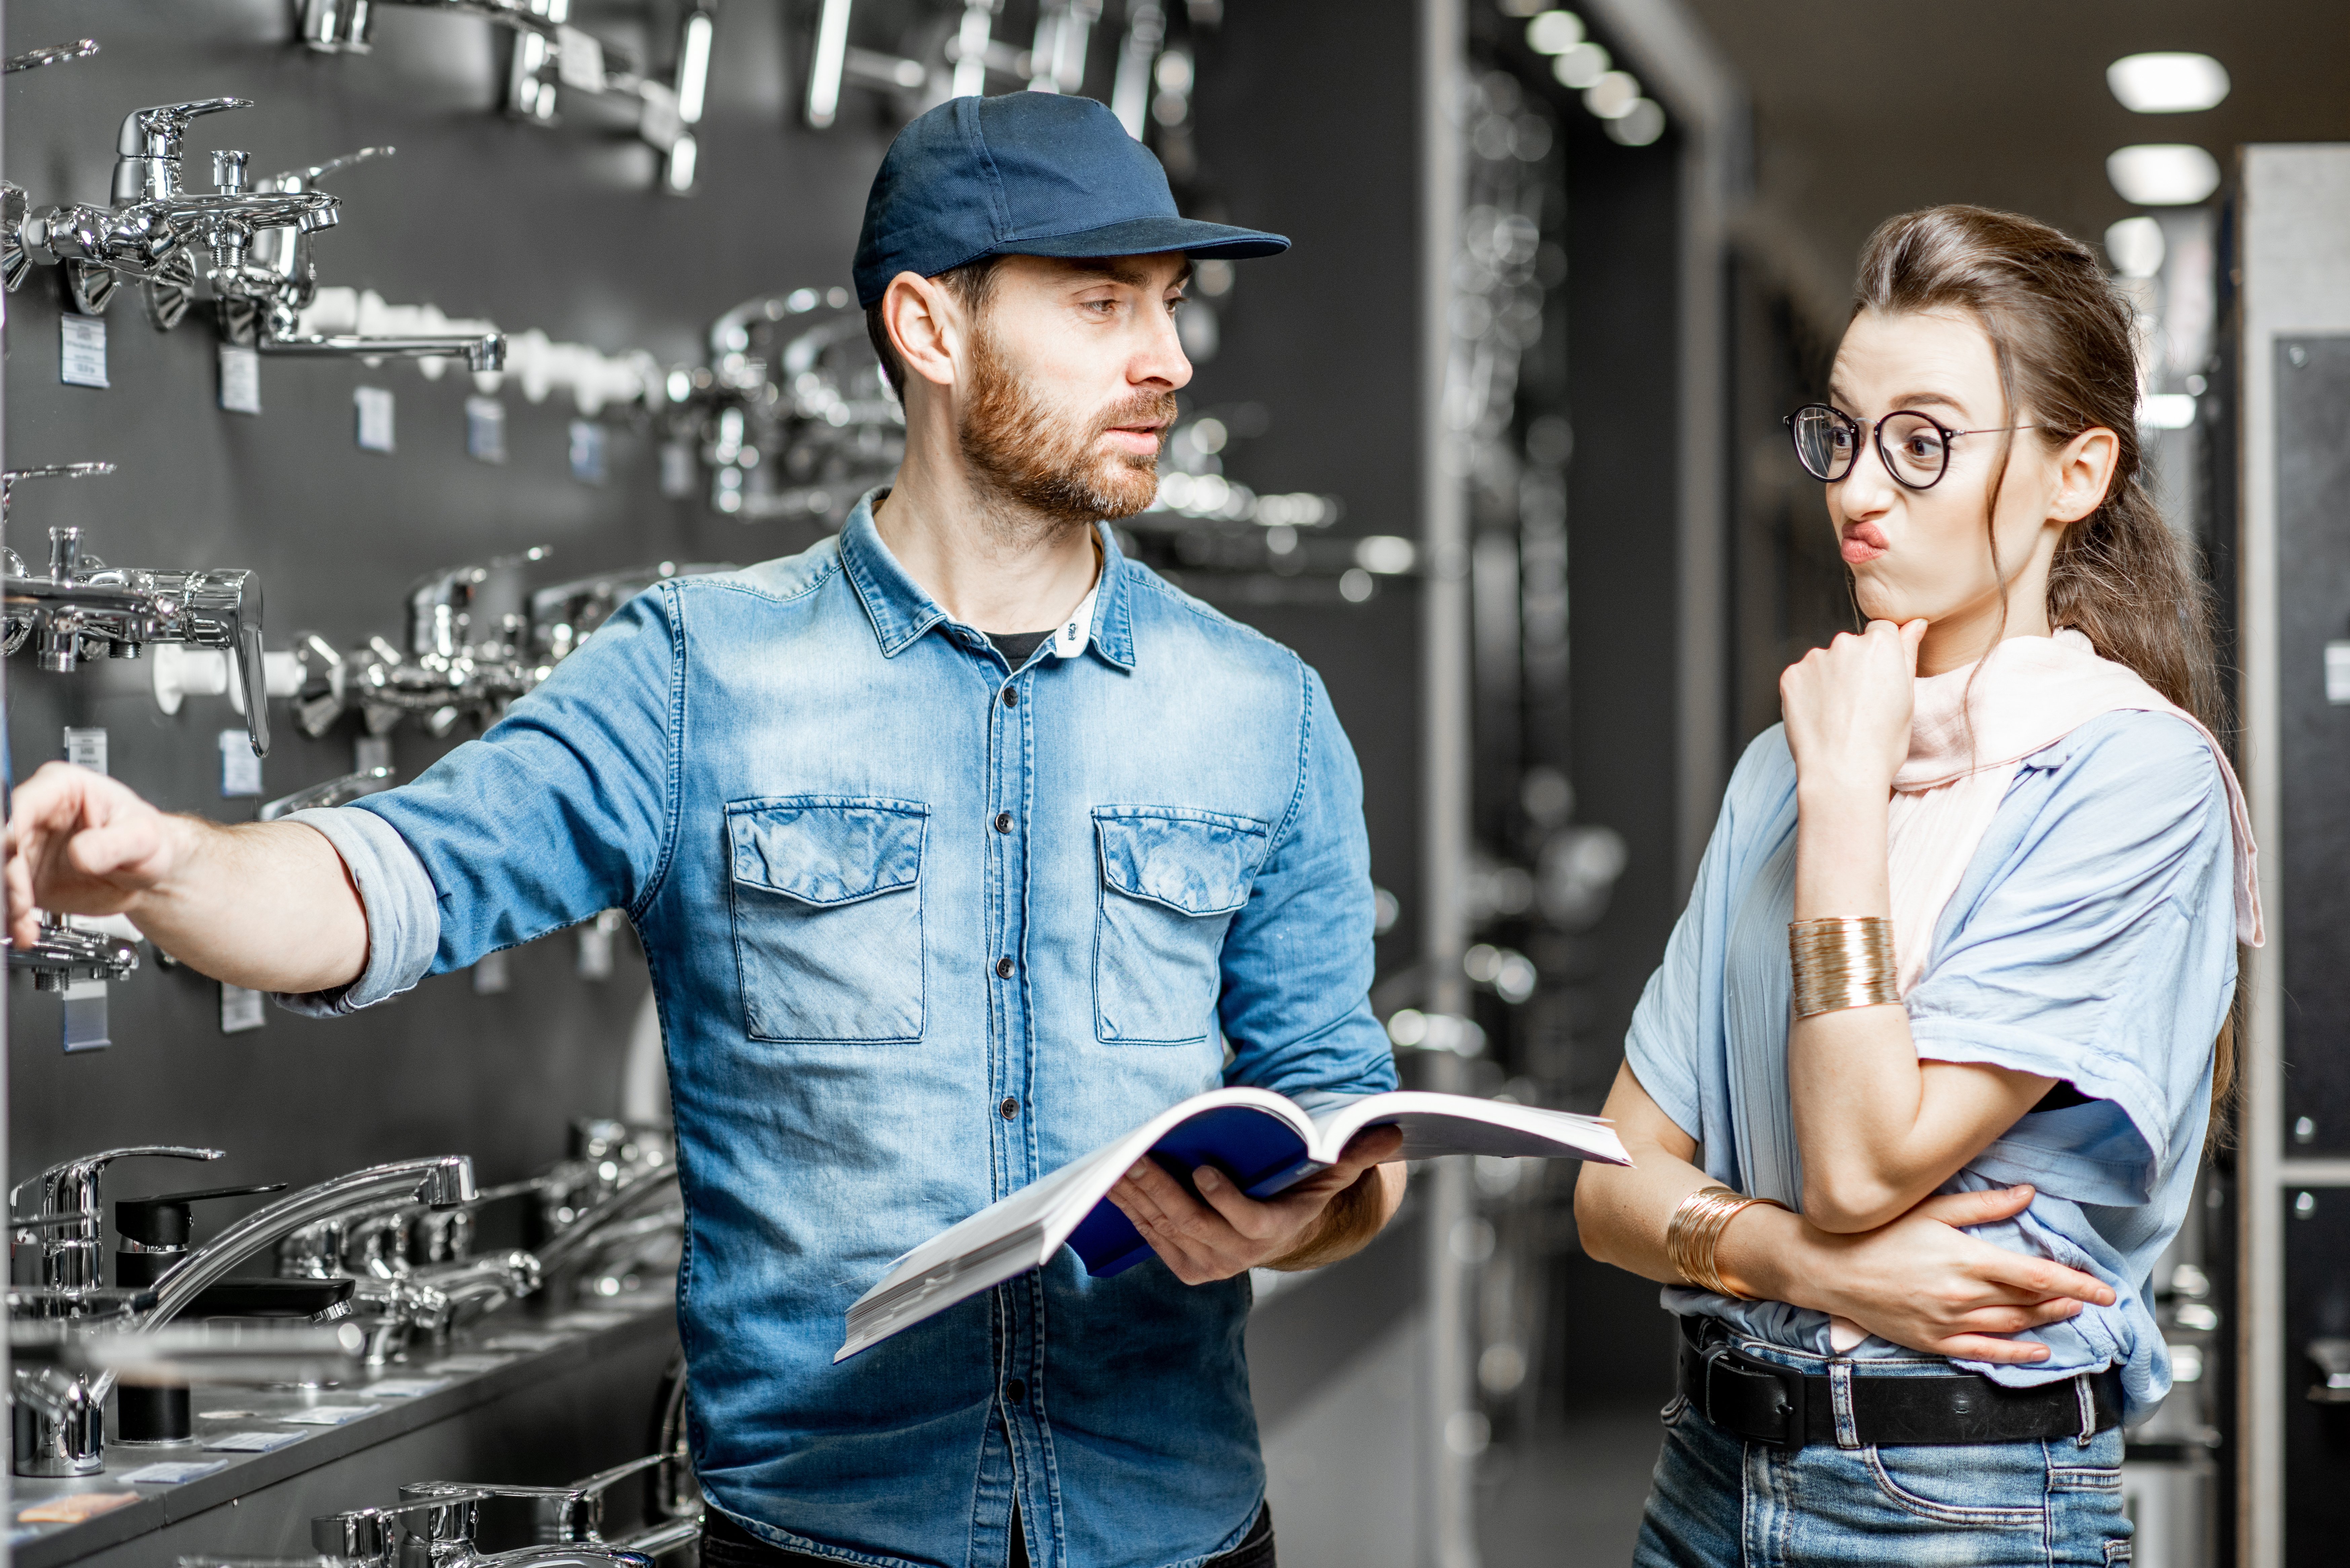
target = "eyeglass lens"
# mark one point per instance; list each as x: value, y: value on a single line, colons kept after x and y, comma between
x: 1913, y: 446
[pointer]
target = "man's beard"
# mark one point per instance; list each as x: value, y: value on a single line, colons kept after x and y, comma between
x: 1048, y: 464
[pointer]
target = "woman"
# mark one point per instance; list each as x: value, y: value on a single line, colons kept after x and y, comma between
x: 1945, y: 1010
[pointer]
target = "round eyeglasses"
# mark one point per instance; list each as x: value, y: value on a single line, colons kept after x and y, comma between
x: 1914, y: 447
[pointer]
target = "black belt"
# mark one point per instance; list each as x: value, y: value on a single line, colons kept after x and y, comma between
x: 1769, y: 1404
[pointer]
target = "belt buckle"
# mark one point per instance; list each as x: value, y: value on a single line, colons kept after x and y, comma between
x: 1788, y: 1391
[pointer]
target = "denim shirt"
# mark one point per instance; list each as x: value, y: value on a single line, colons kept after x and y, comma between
x: 923, y: 928
x: 2092, y: 939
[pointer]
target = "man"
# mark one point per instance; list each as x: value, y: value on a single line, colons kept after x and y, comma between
x: 936, y: 898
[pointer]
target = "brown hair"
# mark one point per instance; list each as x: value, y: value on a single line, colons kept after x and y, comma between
x: 971, y: 284
x: 2066, y: 348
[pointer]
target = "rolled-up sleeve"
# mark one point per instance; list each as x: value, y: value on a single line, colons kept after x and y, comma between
x: 403, y: 918
x: 2093, y: 942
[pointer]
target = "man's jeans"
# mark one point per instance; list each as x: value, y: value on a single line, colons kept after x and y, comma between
x: 1718, y: 1501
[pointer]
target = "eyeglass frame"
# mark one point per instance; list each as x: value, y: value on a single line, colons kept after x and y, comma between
x: 1875, y: 432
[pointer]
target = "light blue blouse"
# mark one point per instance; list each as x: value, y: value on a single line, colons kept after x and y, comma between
x: 2092, y: 939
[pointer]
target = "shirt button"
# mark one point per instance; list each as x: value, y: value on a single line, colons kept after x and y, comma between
x: 1003, y: 969
x: 1003, y: 822
x: 1010, y: 1107
x: 1011, y: 697
x: 1015, y: 1392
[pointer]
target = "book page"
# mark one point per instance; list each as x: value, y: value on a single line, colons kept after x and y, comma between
x: 1435, y: 1125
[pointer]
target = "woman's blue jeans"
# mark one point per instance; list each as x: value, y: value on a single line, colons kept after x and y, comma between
x: 1718, y: 1501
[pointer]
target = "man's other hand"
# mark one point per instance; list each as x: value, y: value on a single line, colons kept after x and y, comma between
x: 81, y: 844
x: 1319, y: 1220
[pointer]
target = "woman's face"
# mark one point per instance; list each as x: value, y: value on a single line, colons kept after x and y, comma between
x: 1922, y: 552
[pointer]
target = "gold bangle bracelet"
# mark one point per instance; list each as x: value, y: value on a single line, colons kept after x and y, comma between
x: 1843, y: 962
x: 1693, y: 1236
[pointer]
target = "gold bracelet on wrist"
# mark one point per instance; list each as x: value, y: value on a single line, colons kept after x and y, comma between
x: 1693, y: 1235
x: 1843, y: 962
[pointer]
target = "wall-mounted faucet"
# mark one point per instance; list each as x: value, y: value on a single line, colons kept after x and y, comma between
x: 789, y: 421
x: 553, y: 60
x: 82, y: 609
x: 474, y: 645
x: 64, y: 955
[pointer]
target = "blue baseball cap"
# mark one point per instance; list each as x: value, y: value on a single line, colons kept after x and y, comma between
x: 1026, y: 174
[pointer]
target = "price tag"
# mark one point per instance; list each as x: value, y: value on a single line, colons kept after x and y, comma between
x: 373, y: 406
x: 81, y: 350
x: 587, y: 451
x: 240, y: 769
x: 485, y: 429
x: 252, y: 1442
x: 241, y: 1010
x: 171, y: 1472
x: 406, y: 1387
x: 86, y: 749
x: 2337, y: 673
x: 240, y: 379
x: 328, y: 1415
x: 578, y: 59
x: 676, y: 470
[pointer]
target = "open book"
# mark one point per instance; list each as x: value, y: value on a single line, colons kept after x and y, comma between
x: 1262, y: 1141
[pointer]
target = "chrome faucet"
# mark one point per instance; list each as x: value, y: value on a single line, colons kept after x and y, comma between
x: 65, y: 1225
x: 570, y: 1515
x: 64, y: 955
x: 84, y: 609
x: 55, y: 1437
x: 53, y: 54
x: 474, y: 645
x: 339, y: 791
x: 437, y: 1530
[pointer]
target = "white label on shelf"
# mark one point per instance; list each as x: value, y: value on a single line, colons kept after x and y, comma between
x: 240, y: 769
x: 81, y: 350
x: 85, y: 1017
x: 86, y: 749
x: 327, y: 1415
x: 171, y: 1472
x: 240, y: 379
x: 405, y: 1387
x: 252, y: 1442
x: 374, y: 407
x: 241, y: 1009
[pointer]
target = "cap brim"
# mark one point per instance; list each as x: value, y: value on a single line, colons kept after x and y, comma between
x: 1152, y: 236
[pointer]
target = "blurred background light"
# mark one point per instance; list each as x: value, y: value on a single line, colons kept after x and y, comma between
x: 2163, y: 174
x: 1554, y: 32
x: 1613, y: 94
x: 1580, y: 66
x: 2166, y: 410
x: 1638, y: 125
x: 2167, y: 84
x: 2136, y: 246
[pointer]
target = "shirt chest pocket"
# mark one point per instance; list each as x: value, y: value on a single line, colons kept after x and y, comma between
x: 1171, y: 880
x: 828, y: 911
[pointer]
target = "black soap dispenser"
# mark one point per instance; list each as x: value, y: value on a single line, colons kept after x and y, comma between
x: 151, y: 1238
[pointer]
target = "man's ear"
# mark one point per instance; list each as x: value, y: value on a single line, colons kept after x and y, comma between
x: 924, y: 327
x: 2084, y: 473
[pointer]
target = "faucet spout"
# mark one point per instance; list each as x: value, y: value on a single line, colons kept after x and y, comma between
x: 441, y: 1182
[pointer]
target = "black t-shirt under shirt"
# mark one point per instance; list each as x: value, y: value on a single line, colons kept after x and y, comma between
x: 1016, y: 646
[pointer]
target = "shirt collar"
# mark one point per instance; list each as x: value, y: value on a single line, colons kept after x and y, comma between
x: 901, y: 612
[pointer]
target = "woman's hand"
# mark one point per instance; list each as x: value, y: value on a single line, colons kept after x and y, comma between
x: 1848, y: 708
x: 1922, y: 1282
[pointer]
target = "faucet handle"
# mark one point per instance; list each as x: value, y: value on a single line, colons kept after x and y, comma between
x: 306, y: 178
x: 70, y: 1185
x: 157, y: 131
x: 46, y: 471
x: 53, y: 55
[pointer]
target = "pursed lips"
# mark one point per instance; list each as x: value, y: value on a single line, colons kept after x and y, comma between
x: 1862, y: 542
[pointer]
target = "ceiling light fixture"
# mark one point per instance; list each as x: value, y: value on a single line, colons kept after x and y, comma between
x: 2163, y: 174
x: 2167, y: 84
